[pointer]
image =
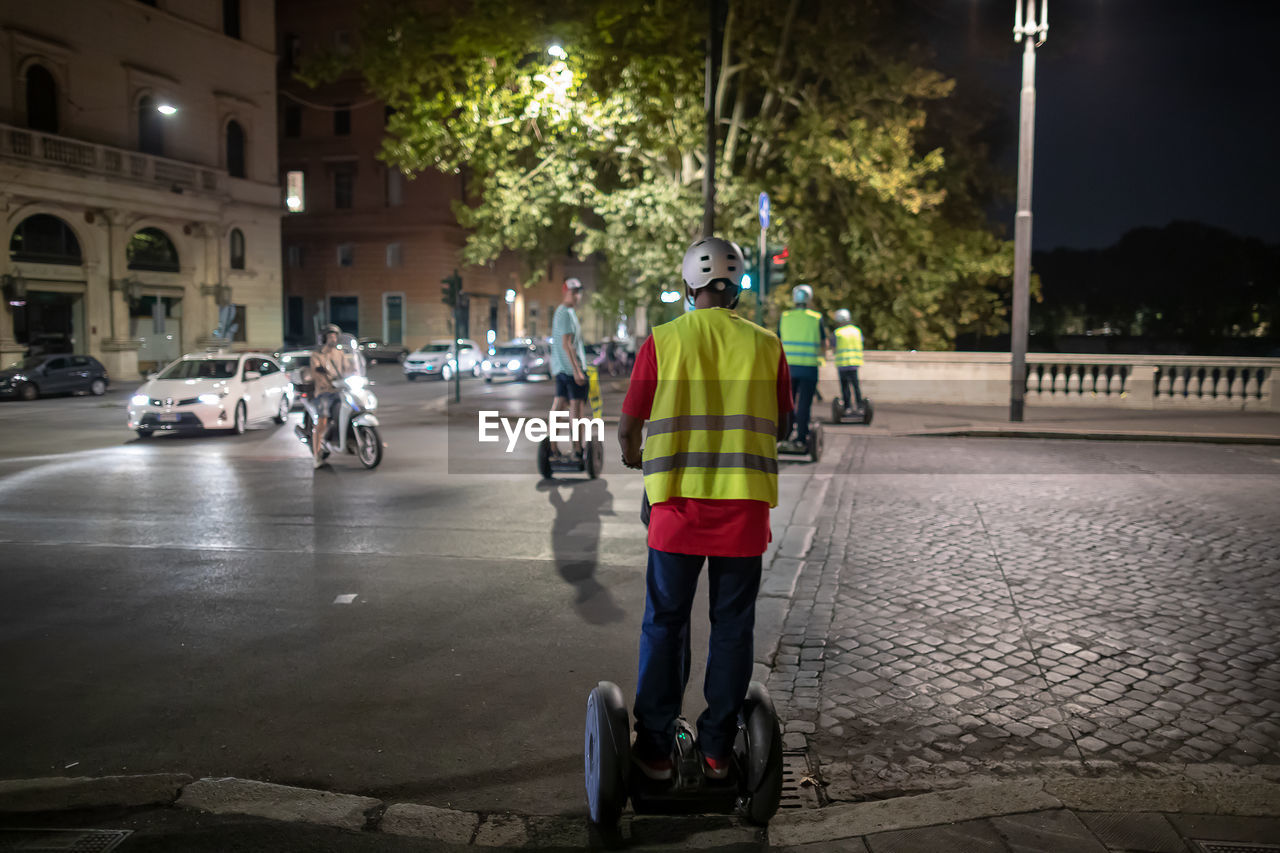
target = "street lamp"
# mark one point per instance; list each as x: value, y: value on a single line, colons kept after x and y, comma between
x: 1032, y: 33
x: 166, y: 109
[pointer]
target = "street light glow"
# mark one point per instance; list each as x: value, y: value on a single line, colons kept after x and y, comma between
x: 166, y: 109
x: 746, y: 281
x: 557, y: 51
x: 511, y: 296
x: 670, y: 296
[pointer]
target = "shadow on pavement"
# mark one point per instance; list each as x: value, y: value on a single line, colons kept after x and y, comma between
x: 575, y: 542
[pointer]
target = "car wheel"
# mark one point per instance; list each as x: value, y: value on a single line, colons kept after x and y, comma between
x: 282, y: 414
x: 446, y: 373
x: 29, y: 391
x: 144, y: 433
x: 412, y: 377
x: 97, y: 387
x: 241, y: 419
x: 488, y: 380
x: 475, y: 371
x: 401, y: 357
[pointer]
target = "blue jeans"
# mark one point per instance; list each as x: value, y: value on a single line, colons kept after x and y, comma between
x: 665, y: 651
x: 804, y: 381
x: 849, y: 382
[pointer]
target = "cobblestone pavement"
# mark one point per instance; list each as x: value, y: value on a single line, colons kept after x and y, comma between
x: 1099, y: 607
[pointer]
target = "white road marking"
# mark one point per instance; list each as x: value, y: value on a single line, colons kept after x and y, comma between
x: 345, y: 599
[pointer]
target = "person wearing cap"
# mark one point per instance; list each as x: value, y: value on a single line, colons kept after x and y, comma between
x: 848, y: 358
x: 569, y: 359
x: 715, y: 392
x: 327, y: 364
x: 803, y: 335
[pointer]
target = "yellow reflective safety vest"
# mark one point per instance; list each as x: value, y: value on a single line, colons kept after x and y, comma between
x: 712, y: 431
x: 801, y: 333
x: 848, y: 346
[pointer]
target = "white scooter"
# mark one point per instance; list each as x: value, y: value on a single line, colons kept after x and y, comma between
x: 355, y: 429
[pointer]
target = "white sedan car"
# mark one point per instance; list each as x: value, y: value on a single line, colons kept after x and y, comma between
x: 214, y: 390
x: 438, y: 359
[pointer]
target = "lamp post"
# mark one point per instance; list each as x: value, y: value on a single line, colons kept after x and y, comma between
x: 1032, y: 33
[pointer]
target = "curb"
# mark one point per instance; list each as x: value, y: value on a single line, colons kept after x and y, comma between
x: 1094, y: 435
x: 1244, y: 799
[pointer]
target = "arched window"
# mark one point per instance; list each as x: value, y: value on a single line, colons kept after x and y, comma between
x: 235, y: 149
x: 151, y: 249
x: 44, y: 239
x: 236, y: 243
x: 42, y: 100
x: 150, y: 127
x: 231, y: 18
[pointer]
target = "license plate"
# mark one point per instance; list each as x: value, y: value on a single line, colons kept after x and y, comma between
x: 169, y: 417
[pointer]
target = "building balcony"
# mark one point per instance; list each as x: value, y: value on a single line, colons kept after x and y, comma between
x: 47, y: 149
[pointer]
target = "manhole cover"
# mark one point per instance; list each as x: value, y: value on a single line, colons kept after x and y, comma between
x: 62, y: 840
x: 1236, y: 847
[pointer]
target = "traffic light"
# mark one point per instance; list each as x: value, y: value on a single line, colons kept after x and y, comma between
x: 451, y: 290
x: 778, y: 267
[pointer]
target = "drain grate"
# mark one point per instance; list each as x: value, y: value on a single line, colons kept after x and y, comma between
x: 62, y: 840
x: 1236, y: 847
x: 796, y: 794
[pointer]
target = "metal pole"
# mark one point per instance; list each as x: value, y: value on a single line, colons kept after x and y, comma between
x: 457, y: 351
x: 762, y: 288
x: 1022, y: 223
x: 714, y: 24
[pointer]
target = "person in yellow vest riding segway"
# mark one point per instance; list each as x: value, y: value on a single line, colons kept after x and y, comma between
x: 715, y: 392
x: 803, y: 335
x: 848, y: 360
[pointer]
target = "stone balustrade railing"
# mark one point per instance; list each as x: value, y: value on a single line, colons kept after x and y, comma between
x: 34, y: 146
x: 1132, y: 381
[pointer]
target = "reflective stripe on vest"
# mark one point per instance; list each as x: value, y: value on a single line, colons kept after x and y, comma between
x: 712, y: 431
x: 801, y: 332
x: 848, y: 346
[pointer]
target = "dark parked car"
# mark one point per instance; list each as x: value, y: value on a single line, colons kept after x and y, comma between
x: 375, y: 350
x: 42, y: 375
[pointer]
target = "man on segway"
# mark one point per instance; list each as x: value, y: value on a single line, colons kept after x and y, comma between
x: 716, y: 393
x: 803, y: 335
x: 568, y: 363
x: 848, y: 360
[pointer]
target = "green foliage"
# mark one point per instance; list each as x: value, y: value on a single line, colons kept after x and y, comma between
x: 602, y: 152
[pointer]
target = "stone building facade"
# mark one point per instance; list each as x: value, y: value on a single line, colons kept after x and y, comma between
x: 138, y: 179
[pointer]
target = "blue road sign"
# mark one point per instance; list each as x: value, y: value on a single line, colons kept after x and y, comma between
x: 763, y: 207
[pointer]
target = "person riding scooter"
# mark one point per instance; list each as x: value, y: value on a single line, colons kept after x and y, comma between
x: 848, y: 359
x: 803, y: 335
x: 327, y: 364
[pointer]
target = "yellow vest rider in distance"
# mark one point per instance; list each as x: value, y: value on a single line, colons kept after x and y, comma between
x: 848, y: 346
x: 801, y: 333
x: 712, y: 431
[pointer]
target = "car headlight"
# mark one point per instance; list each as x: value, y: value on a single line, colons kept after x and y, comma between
x: 355, y: 383
x: 538, y: 361
x: 513, y: 364
x: 139, y: 400
x: 486, y: 365
x: 210, y: 399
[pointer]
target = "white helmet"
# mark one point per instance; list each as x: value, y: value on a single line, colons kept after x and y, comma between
x: 710, y: 259
x: 802, y: 295
x: 843, y: 317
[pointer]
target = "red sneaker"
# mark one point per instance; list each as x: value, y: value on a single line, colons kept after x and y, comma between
x: 657, y: 769
x: 715, y: 768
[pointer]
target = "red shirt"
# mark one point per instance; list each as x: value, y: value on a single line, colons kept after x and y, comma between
x: 712, y: 528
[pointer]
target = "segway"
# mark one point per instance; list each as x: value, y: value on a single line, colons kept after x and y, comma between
x: 840, y: 413
x: 752, y: 789
x: 812, y: 447
x: 592, y: 451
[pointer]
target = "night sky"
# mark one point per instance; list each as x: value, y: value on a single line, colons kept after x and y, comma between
x: 1147, y: 111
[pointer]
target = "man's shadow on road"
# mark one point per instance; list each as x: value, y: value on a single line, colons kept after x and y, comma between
x: 575, y: 543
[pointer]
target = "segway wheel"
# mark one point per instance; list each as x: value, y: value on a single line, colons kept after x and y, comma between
x: 544, y: 458
x: 868, y: 411
x: 815, y: 443
x: 593, y: 456
x: 837, y: 411
x: 607, y: 753
x: 763, y: 760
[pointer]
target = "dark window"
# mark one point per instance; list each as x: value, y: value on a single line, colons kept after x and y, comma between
x: 150, y: 127
x: 241, y: 333
x: 342, y: 121
x: 346, y: 255
x: 236, y: 243
x: 293, y: 120
x: 345, y: 312
x: 290, y: 46
x: 57, y: 364
x: 294, y: 317
x: 151, y: 249
x: 42, y: 100
x: 293, y: 257
x: 231, y: 18
x: 235, y: 149
x: 343, y: 188
x: 44, y: 239
x: 148, y: 2
x: 79, y: 361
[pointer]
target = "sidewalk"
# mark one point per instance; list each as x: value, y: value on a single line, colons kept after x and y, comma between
x: 1226, y: 425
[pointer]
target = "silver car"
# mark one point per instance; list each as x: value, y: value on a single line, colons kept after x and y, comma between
x: 438, y: 358
x: 516, y: 360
